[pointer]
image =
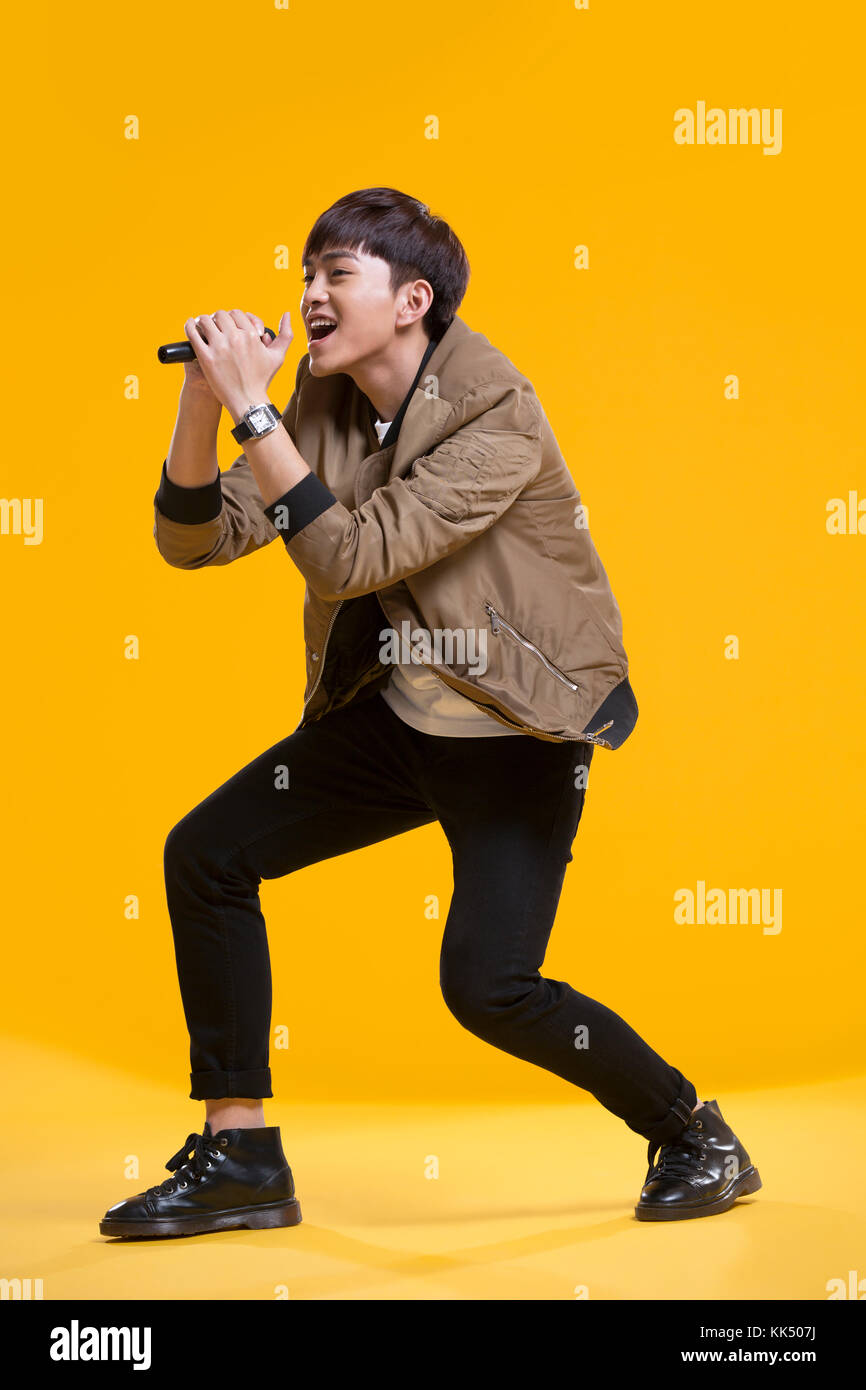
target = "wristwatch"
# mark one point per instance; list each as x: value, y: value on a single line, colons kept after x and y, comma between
x: 257, y: 421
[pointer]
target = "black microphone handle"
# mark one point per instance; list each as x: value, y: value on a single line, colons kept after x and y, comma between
x: 184, y: 351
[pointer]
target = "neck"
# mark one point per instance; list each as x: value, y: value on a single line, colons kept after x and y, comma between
x: 385, y: 378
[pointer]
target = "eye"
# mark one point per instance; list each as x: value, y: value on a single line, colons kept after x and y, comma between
x: 338, y: 271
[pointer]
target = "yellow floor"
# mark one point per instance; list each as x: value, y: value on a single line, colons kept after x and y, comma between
x: 530, y: 1202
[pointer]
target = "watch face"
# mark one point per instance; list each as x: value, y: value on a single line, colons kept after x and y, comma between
x: 259, y: 420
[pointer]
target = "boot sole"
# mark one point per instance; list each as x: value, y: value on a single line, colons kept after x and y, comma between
x: 747, y: 1181
x: 250, y: 1218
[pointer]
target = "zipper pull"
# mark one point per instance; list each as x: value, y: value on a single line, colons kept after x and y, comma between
x: 591, y: 738
x: 494, y: 619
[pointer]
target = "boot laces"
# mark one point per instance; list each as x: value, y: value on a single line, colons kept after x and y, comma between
x: 679, y: 1158
x: 186, y: 1169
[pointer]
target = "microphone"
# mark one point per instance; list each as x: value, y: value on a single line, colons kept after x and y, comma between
x: 184, y: 351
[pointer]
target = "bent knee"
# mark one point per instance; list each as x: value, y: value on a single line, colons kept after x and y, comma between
x: 186, y: 842
x: 478, y: 1001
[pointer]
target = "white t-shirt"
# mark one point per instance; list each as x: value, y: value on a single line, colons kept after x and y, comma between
x: 423, y: 700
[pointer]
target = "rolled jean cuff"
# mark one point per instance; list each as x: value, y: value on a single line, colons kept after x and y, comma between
x: 678, y: 1116
x: 223, y: 1085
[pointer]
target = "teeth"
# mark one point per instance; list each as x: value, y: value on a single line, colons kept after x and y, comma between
x: 321, y: 323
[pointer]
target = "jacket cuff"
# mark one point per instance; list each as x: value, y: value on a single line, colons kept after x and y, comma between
x: 188, y: 504
x: 303, y: 502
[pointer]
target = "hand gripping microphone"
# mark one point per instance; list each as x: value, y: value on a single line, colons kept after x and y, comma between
x: 185, y: 352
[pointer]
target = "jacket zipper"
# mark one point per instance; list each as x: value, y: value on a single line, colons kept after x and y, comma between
x: 528, y: 728
x: 497, y: 621
x: 340, y: 603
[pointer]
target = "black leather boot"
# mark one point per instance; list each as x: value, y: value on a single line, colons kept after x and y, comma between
x: 237, y: 1177
x: 701, y: 1173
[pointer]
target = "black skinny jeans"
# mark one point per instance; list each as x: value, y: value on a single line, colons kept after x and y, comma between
x: 510, y: 810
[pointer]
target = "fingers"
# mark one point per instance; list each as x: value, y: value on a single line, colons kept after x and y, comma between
x: 222, y: 319
x: 241, y: 318
x: 193, y: 331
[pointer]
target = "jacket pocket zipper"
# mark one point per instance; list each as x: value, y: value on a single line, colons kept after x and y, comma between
x: 497, y: 621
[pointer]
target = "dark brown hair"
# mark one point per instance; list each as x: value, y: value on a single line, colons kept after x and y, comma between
x: 402, y: 231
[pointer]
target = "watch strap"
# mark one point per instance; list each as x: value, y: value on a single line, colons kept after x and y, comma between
x: 242, y: 431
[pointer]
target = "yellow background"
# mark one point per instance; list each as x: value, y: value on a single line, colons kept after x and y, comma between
x: 555, y: 130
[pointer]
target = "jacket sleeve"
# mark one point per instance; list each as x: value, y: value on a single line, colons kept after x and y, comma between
x: 447, y: 498
x: 221, y: 521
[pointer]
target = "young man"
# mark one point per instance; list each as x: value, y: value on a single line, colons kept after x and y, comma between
x: 417, y: 486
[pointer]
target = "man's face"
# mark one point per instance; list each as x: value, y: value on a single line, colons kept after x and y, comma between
x: 352, y: 290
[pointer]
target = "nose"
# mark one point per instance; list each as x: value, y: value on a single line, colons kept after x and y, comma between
x: 311, y: 297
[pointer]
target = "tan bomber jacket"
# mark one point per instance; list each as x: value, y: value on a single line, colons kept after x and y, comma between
x: 465, y: 520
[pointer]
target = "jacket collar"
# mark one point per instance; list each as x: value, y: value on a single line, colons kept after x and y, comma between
x: 458, y: 360
x: 394, y: 428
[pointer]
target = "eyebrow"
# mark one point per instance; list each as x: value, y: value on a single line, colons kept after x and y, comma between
x: 332, y: 256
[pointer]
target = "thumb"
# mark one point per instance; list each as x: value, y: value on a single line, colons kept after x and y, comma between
x: 284, y: 333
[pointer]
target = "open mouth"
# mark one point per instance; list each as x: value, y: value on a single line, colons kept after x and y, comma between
x: 320, y: 330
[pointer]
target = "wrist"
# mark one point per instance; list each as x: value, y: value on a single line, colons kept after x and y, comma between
x: 238, y: 404
x: 201, y: 400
